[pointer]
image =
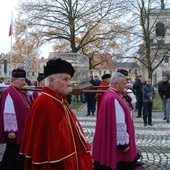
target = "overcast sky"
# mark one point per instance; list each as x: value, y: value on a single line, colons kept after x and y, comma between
x: 6, y: 8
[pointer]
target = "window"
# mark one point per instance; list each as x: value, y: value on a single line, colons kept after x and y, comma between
x: 160, y: 43
x: 160, y: 29
x: 166, y: 59
x: 151, y: 40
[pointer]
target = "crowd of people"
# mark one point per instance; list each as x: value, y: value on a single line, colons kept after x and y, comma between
x: 41, y: 131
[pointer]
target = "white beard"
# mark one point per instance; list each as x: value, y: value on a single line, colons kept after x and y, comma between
x: 68, y: 90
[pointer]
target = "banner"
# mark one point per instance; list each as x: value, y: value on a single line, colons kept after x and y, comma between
x: 11, y: 28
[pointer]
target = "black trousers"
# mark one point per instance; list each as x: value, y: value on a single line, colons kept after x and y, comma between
x: 147, y: 114
x: 139, y: 106
x: 12, y: 160
x: 119, y: 166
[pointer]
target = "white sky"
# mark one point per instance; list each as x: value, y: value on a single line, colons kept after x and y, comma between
x: 6, y: 9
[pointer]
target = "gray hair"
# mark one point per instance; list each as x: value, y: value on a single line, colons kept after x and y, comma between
x: 116, y: 77
x: 148, y: 79
x: 55, y: 76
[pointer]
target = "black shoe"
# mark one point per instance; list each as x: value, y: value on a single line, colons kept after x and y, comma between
x: 138, y: 116
x: 138, y: 156
x: 88, y: 115
x: 167, y: 120
x: 164, y: 118
x: 150, y: 124
x: 139, y: 163
x: 145, y: 124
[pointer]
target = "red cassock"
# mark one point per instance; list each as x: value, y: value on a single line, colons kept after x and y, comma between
x: 100, y: 94
x: 53, y: 138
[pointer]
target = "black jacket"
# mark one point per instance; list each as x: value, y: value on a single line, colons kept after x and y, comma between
x: 138, y: 88
x: 164, y: 89
x: 90, y: 97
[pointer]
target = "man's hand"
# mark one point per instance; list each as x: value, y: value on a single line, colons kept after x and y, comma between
x: 125, y: 150
x: 11, y: 135
x: 151, y: 99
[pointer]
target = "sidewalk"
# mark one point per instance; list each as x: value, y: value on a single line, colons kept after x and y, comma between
x: 152, y: 141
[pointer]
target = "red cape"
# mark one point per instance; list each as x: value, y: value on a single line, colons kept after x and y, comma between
x: 53, y: 136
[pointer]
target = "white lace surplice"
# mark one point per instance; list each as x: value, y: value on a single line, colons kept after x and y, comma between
x: 10, y: 121
x: 122, y: 135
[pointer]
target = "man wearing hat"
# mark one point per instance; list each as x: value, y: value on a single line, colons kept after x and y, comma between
x: 129, y: 102
x: 13, y: 114
x: 122, y: 71
x: 114, y: 140
x: 53, y: 137
x: 41, y: 83
x: 104, y: 85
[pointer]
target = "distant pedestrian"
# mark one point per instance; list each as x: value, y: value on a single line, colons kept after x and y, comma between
x: 148, y: 97
x: 139, y: 97
x: 90, y: 99
x: 164, y: 92
x: 2, y: 81
x: 97, y: 80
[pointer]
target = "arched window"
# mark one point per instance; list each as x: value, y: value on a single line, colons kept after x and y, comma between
x: 160, y: 29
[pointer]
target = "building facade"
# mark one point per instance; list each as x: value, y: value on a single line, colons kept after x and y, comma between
x: 159, y: 32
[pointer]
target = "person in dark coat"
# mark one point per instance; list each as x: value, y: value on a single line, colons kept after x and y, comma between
x: 164, y: 92
x: 90, y: 99
x: 139, y: 95
x: 148, y: 97
x: 97, y: 81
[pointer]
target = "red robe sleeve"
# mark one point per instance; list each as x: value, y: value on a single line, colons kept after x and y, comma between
x: 55, y: 129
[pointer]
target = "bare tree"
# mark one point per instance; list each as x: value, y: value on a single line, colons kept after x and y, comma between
x: 85, y: 26
x: 66, y: 20
x: 148, y: 38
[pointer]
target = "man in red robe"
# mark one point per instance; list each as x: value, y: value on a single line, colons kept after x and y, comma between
x: 104, y: 85
x: 13, y: 114
x: 53, y: 137
x: 114, y: 145
x: 41, y: 83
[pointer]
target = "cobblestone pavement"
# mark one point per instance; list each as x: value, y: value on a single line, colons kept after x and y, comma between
x: 153, y: 142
